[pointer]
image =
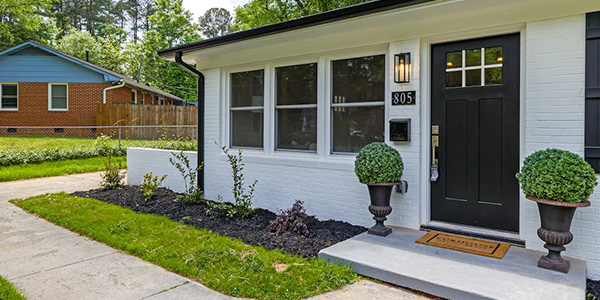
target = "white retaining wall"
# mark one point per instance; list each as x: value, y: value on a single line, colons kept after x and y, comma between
x: 141, y: 161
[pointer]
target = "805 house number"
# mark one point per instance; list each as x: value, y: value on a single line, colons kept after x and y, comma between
x: 404, y: 98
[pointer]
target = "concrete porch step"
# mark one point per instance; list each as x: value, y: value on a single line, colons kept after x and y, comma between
x: 452, y: 274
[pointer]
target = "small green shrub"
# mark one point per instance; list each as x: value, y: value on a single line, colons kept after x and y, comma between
x: 150, y: 184
x: 378, y: 163
x: 243, y: 198
x: 112, y: 177
x: 557, y: 175
x: 192, y: 194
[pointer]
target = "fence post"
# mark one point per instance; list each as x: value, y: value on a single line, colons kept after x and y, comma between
x: 119, y: 136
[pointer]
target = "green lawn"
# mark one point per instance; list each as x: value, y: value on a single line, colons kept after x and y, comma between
x: 55, y: 168
x: 8, y: 291
x: 223, y: 264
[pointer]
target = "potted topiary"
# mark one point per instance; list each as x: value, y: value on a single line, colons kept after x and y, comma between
x: 380, y: 167
x: 559, y: 181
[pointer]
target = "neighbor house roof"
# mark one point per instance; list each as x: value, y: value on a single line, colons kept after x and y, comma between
x: 304, y: 22
x: 109, y: 76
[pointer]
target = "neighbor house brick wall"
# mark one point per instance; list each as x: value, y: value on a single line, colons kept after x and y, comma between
x: 554, y: 118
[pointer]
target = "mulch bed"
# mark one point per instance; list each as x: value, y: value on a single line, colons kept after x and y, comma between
x: 252, y: 230
x: 592, y: 290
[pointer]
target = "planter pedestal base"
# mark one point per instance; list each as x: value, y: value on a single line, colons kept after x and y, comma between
x: 379, y: 229
x: 554, y: 265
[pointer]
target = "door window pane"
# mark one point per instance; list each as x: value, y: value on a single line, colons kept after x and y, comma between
x: 454, y: 59
x: 247, y: 113
x: 359, y: 79
x: 493, y: 76
x: 493, y: 56
x: 297, y: 129
x: 355, y: 127
x: 473, y: 58
x: 454, y: 79
x: 9, y: 96
x: 473, y: 77
x: 59, y: 96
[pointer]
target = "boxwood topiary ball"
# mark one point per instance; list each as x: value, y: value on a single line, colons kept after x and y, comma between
x: 557, y: 175
x: 378, y: 163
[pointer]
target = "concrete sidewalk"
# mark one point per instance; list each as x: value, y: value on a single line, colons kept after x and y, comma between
x: 45, y: 261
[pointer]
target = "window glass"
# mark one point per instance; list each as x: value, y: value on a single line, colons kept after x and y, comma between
x: 359, y: 79
x: 247, y: 88
x: 9, y: 96
x: 59, y: 96
x: 355, y: 127
x: 473, y: 58
x: 473, y: 77
x: 454, y: 79
x: 493, y: 56
x: 296, y: 127
x: 247, y: 113
x: 356, y: 120
x: 454, y: 59
x: 493, y: 76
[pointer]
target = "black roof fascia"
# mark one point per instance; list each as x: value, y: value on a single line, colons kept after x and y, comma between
x: 304, y: 22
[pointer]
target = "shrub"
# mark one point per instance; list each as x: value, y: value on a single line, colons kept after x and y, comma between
x: 112, y: 177
x: 292, y: 219
x: 378, y: 163
x: 150, y: 184
x: 243, y: 199
x: 557, y: 175
x: 192, y: 194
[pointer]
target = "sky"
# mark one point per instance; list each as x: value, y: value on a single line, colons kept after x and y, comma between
x: 198, y: 7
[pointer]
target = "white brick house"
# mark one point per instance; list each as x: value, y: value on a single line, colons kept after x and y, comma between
x: 500, y: 79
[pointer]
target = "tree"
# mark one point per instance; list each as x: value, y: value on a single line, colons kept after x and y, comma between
x: 23, y: 20
x: 216, y: 22
x: 77, y: 42
x: 259, y: 13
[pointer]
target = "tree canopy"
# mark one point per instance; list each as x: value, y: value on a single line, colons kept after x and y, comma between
x: 125, y: 35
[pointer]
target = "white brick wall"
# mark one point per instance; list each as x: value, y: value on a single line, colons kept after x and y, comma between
x: 555, y: 91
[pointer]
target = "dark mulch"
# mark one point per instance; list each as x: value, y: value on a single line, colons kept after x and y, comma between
x: 593, y: 290
x: 251, y: 230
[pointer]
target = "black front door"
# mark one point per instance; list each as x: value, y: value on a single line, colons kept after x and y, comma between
x: 475, y: 112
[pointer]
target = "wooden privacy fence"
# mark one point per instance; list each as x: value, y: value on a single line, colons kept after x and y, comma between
x: 149, y: 115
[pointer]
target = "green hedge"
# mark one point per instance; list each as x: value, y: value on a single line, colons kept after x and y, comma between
x: 557, y: 175
x: 378, y: 163
x: 99, y: 147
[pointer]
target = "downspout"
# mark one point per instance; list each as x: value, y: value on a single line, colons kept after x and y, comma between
x: 181, y: 63
x: 111, y: 88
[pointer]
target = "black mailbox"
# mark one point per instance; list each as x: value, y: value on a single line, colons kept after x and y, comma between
x: 400, y: 130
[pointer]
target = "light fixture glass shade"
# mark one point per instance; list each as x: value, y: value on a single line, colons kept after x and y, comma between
x: 402, y: 68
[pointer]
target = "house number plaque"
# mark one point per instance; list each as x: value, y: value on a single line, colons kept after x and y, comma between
x: 404, y: 98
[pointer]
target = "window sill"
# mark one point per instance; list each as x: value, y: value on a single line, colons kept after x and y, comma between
x: 58, y: 109
x: 295, y: 159
x: 9, y: 109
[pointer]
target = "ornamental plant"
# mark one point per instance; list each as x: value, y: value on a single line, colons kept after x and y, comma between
x: 378, y: 163
x: 557, y: 175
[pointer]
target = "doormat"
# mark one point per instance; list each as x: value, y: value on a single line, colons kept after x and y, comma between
x: 464, y: 244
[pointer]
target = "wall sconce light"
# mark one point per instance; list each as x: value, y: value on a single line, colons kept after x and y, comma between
x: 402, y: 68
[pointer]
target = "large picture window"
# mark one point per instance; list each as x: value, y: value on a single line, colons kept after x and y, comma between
x: 247, y: 109
x: 358, y: 98
x: 296, y: 107
x: 58, y: 97
x: 9, y: 99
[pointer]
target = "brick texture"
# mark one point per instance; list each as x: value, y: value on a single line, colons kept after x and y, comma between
x: 83, y: 99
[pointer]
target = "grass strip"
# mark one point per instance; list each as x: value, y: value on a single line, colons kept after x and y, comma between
x: 221, y: 263
x: 8, y: 291
x: 55, y: 168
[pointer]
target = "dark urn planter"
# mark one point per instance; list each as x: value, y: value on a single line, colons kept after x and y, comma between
x: 556, y: 220
x: 380, y: 206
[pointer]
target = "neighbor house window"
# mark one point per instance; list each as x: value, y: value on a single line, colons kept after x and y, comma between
x: 296, y: 107
x: 9, y: 98
x: 133, y: 97
x: 357, y: 108
x: 58, y: 96
x: 247, y: 109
